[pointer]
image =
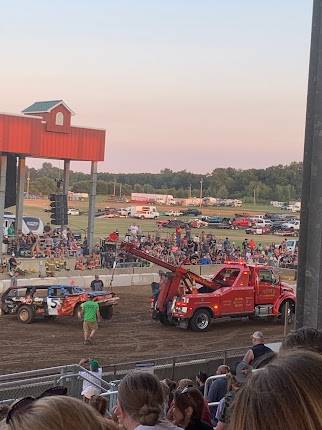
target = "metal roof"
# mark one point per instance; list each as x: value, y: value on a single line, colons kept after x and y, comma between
x: 43, y: 106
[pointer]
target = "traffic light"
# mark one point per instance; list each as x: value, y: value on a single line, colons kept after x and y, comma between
x: 58, y: 209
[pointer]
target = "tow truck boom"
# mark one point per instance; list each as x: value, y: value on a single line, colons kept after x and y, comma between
x: 181, y: 271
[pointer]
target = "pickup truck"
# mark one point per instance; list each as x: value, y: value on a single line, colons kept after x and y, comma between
x: 238, y: 223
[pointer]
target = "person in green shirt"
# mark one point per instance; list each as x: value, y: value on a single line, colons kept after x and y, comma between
x: 91, y: 316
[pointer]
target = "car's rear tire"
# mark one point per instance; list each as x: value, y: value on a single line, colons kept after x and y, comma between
x: 25, y: 314
x: 78, y: 312
x: 106, y: 312
x: 201, y: 320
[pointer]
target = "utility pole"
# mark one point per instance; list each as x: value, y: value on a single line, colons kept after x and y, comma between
x: 201, y: 182
x: 28, y: 184
x: 309, y: 282
x: 120, y: 190
x: 114, y: 192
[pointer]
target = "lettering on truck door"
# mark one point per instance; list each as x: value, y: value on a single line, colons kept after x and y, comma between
x: 237, y: 296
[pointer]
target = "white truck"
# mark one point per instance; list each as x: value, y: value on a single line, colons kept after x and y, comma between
x: 144, y: 212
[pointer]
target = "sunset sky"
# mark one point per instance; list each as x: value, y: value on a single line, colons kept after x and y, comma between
x: 183, y: 84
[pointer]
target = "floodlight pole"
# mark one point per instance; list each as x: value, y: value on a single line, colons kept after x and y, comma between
x: 20, y: 193
x: 309, y: 283
x: 91, y: 204
x: 3, y: 178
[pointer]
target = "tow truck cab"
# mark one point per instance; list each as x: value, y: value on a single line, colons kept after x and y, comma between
x: 239, y: 290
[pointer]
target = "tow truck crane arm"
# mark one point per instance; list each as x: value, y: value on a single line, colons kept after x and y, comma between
x: 180, y: 271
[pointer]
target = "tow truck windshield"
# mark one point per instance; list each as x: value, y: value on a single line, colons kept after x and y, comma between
x: 226, y: 277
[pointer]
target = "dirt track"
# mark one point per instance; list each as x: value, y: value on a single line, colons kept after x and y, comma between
x: 130, y: 335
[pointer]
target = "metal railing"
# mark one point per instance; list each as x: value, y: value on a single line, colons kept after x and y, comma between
x: 34, y: 382
x: 208, y: 383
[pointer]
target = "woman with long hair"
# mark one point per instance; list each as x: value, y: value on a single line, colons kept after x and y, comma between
x: 141, y: 403
x: 284, y: 395
x: 188, y: 408
x: 54, y: 413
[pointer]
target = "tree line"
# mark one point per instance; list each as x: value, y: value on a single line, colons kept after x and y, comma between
x: 282, y: 183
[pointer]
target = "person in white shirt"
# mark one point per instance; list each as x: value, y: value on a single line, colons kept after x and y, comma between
x: 91, y: 381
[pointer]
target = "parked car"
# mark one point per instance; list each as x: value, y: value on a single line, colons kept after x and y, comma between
x: 292, y: 224
x: 197, y: 223
x: 262, y: 223
x: 123, y: 212
x: 238, y: 223
x: 192, y: 211
x: 219, y: 222
x: 258, y: 230
x: 173, y: 213
x: 30, y: 302
x: 73, y: 211
x: 172, y: 223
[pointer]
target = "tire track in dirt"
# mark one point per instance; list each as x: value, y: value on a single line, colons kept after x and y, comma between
x: 130, y: 335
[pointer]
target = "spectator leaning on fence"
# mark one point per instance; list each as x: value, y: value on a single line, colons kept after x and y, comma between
x: 91, y: 378
x: 258, y: 349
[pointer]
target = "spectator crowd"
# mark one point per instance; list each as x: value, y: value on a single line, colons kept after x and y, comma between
x: 182, y: 247
x: 284, y: 393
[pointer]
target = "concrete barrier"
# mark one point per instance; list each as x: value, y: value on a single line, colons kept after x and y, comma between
x: 122, y: 277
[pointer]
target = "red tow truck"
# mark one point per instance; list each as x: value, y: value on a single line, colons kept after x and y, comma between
x: 237, y: 289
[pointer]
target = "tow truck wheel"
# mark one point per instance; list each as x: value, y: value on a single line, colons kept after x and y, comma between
x: 164, y: 319
x: 290, y: 313
x: 201, y: 320
x: 25, y: 314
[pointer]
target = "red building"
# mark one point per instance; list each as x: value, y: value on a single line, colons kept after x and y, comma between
x: 44, y: 130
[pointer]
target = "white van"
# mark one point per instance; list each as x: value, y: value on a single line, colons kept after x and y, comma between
x: 30, y: 224
x: 144, y: 212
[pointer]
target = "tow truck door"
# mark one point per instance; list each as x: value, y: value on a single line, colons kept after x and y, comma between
x: 267, y: 286
x: 238, y: 298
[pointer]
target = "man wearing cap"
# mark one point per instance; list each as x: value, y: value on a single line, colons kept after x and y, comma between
x: 91, y: 378
x: 258, y: 349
